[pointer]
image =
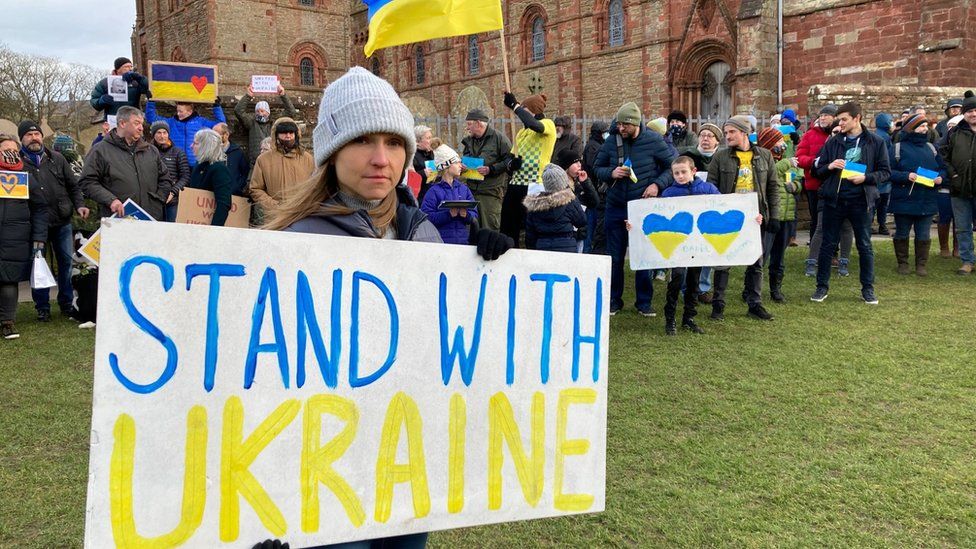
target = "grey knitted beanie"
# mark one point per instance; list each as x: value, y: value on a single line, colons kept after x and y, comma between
x: 554, y: 178
x: 360, y: 103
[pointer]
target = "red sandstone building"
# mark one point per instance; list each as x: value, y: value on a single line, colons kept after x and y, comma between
x: 709, y: 58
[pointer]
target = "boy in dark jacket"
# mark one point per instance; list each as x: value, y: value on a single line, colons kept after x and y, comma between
x: 847, y: 193
x: 454, y: 224
x: 553, y: 215
x: 685, y: 184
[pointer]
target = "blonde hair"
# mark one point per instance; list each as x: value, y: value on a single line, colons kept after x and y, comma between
x: 310, y: 198
x: 210, y: 147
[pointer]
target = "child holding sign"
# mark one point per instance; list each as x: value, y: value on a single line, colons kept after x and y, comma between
x: 449, y: 203
x: 916, y: 170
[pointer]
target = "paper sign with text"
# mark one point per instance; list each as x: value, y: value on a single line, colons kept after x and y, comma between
x: 714, y: 230
x: 92, y: 249
x: 264, y: 83
x: 14, y: 185
x: 196, y: 207
x: 262, y: 384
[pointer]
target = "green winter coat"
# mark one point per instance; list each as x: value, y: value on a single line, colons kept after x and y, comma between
x: 724, y: 170
x: 496, y: 150
x: 789, y: 186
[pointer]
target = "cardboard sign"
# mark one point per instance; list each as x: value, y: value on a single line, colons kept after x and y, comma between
x: 184, y: 82
x: 196, y: 207
x: 14, y: 185
x: 264, y: 84
x: 92, y: 249
x: 317, y: 389
x: 703, y: 230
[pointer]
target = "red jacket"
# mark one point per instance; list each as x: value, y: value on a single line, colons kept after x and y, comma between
x: 806, y: 153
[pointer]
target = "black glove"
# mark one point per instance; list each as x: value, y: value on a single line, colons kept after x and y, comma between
x: 514, y: 164
x: 581, y: 233
x: 106, y: 100
x: 217, y: 102
x: 129, y: 76
x: 271, y: 544
x: 510, y: 100
x: 772, y: 226
x: 491, y: 244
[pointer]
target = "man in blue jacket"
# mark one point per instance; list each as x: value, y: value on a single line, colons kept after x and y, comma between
x: 847, y: 194
x: 185, y: 125
x: 631, y: 161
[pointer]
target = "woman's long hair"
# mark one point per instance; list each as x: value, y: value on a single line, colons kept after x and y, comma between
x: 312, y: 194
x: 210, y: 147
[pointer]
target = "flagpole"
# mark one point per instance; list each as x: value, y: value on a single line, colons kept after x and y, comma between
x: 508, y: 83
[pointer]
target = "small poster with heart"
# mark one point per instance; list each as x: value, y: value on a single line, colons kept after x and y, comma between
x: 715, y: 230
x: 14, y: 185
x: 183, y: 82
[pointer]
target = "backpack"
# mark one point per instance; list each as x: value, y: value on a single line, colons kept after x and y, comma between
x: 898, y: 150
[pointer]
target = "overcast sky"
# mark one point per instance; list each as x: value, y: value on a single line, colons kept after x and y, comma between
x: 91, y: 32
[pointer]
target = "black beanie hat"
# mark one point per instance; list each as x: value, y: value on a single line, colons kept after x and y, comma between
x: 969, y: 102
x: 679, y: 116
x: 566, y: 158
x: 121, y: 61
x: 28, y: 126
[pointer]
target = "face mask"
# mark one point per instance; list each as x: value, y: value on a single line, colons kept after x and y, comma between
x: 606, y: 135
x: 678, y: 131
x: 706, y: 154
x: 287, y: 147
x: 778, y: 149
x: 261, y: 119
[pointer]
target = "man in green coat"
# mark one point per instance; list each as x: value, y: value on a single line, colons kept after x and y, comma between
x: 496, y: 150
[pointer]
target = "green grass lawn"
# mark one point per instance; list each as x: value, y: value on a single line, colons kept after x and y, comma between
x: 838, y: 424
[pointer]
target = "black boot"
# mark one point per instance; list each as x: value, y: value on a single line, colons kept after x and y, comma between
x: 776, y: 288
x: 689, y: 324
x: 670, y: 328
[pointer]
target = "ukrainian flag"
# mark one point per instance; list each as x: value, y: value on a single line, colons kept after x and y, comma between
x: 852, y: 169
x: 926, y: 177
x: 183, y: 82
x: 397, y: 22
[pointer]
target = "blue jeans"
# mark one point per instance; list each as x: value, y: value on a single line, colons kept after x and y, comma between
x: 705, y: 280
x: 617, y: 248
x: 170, y: 213
x: 61, y: 240
x: 904, y: 224
x: 857, y: 212
x: 945, y: 208
x: 962, y: 213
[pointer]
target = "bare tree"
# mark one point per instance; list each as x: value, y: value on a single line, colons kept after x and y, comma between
x: 44, y: 88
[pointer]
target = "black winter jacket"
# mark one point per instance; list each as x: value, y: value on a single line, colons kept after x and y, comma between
x: 874, y: 155
x: 57, y: 185
x: 959, y: 153
x: 650, y: 156
x: 22, y: 222
x: 551, y: 221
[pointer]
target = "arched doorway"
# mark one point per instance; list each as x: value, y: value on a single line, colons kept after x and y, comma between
x: 716, y: 93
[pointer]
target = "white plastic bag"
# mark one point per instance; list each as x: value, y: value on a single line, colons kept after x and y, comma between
x: 41, y: 276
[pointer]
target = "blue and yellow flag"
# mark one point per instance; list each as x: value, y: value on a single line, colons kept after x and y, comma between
x: 852, y: 169
x: 398, y: 22
x: 14, y: 185
x: 186, y: 82
x: 926, y: 177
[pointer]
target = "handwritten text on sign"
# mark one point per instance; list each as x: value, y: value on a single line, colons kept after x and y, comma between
x: 702, y: 230
x: 324, y: 389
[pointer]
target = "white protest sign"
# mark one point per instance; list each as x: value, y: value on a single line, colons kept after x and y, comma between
x: 714, y: 230
x: 318, y: 389
x: 118, y: 89
x: 264, y: 83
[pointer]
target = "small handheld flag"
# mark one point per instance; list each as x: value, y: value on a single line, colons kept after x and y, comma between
x: 629, y: 166
x: 398, y: 22
x: 472, y: 164
x: 14, y: 185
x: 853, y: 168
x: 926, y: 177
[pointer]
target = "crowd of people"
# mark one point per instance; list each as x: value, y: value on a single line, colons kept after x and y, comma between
x: 551, y: 190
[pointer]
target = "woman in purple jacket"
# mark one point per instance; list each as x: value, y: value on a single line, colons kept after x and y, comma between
x: 454, y: 224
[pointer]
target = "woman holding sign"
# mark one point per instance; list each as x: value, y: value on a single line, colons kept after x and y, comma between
x: 363, y: 143
x: 211, y: 173
x: 916, y: 170
x: 23, y: 220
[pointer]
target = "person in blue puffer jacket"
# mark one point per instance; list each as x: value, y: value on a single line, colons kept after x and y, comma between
x: 632, y: 172
x: 185, y: 125
x: 554, y: 215
x: 454, y: 224
x: 914, y: 199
